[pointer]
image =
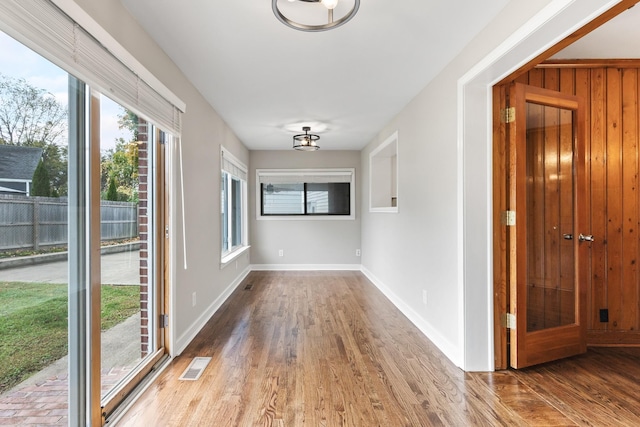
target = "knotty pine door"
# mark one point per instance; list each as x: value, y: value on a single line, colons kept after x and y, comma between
x: 549, y: 243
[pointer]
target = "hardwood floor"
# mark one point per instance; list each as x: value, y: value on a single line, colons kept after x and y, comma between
x: 328, y: 349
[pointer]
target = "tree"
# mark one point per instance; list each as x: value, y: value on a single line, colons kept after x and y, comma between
x: 41, y: 184
x: 112, y: 192
x: 129, y: 120
x: 121, y: 163
x: 32, y: 117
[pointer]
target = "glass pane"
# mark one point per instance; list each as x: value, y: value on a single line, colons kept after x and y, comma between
x: 33, y: 230
x: 126, y: 241
x: 328, y: 198
x: 236, y: 211
x: 224, y: 207
x: 282, y: 199
x: 550, y: 218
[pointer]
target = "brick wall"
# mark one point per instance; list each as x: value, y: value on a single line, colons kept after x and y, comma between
x: 143, y: 196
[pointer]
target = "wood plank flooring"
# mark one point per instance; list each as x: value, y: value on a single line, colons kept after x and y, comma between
x: 328, y: 349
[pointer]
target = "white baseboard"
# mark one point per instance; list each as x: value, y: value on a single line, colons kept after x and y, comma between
x: 183, y: 341
x: 306, y: 267
x: 450, y: 350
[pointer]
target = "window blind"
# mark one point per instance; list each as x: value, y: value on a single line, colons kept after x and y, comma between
x: 46, y: 29
x: 303, y: 176
x: 233, y: 166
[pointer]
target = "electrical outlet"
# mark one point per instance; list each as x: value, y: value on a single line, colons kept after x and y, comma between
x: 424, y: 296
x: 193, y: 299
x: 357, y: 252
x: 281, y: 252
x: 604, y: 315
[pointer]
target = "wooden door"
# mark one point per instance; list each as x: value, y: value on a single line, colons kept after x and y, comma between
x: 550, y: 244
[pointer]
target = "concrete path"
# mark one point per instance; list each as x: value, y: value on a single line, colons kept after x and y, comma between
x: 117, y: 269
x: 120, y: 347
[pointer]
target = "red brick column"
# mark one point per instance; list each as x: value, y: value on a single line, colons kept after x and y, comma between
x: 143, y: 233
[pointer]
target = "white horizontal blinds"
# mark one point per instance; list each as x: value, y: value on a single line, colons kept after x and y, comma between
x: 165, y: 113
x: 233, y: 166
x: 47, y: 30
x: 300, y: 176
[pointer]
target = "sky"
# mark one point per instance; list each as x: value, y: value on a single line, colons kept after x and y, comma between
x: 18, y: 61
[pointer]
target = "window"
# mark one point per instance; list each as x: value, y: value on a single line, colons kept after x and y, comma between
x: 305, y: 193
x: 383, y: 182
x: 233, y: 207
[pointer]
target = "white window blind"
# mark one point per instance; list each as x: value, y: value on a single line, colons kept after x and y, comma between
x: 43, y: 27
x: 233, y: 166
x: 303, y: 176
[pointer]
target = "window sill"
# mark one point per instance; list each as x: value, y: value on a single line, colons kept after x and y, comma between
x: 305, y: 217
x: 231, y: 256
x: 390, y: 209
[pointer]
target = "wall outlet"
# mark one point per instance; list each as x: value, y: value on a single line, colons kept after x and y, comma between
x: 281, y: 252
x: 357, y: 252
x: 604, y: 315
x: 424, y: 296
x: 193, y: 299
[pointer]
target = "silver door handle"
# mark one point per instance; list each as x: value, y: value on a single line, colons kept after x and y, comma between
x: 587, y: 238
x: 567, y: 236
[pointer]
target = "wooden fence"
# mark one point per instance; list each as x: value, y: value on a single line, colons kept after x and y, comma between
x: 41, y: 222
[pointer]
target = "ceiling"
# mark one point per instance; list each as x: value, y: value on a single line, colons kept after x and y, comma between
x: 263, y: 77
x: 618, y: 38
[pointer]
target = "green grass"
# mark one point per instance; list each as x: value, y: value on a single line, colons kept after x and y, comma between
x: 33, y: 324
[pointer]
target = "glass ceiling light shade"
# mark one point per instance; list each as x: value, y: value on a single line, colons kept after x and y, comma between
x: 314, y: 15
x: 306, y: 141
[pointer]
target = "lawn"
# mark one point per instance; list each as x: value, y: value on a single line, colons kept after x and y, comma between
x: 33, y: 324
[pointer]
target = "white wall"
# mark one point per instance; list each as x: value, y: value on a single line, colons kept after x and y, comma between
x: 203, y: 133
x: 318, y: 243
x: 418, y: 249
x: 440, y: 240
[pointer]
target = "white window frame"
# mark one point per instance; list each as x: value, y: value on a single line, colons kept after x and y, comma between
x: 296, y: 175
x: 231, y: 168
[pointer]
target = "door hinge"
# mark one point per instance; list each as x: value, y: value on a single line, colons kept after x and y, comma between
x: 164, y: 321
x: 509, y: 321
x: 508, y: 115
x: 508, y: 218
x: 166, y: 232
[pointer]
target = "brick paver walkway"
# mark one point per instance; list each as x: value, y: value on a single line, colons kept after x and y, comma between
x: 45, y: 403
x: 40, y: 404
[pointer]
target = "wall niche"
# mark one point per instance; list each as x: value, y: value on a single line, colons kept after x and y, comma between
x: 383, y: 180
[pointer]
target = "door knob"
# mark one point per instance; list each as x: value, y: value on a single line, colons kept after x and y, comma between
x: 567, y: 236
x: 586, y: 238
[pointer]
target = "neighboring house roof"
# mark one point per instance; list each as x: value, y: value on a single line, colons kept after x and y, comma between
x: 18, y: 163
x: 4, y: 190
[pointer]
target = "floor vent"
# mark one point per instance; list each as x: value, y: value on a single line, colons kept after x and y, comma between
x: 195, y: 369
x: 248, y: 287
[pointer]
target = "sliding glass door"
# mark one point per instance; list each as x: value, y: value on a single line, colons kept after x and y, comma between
x: 85, y: 207
x: 131, y: 255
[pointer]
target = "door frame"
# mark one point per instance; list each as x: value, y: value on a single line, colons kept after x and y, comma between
x: 503, y: 270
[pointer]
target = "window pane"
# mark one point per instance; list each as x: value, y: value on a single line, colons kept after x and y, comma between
x: 282, y: 199
x: 34, y: 212
x: 126, y: 234
x: 328, y: 199
x: 224, y: 203
x: 236, y: 212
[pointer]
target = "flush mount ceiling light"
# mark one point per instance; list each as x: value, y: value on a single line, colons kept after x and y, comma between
x: 306, y: 141
x: 314, y: 15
